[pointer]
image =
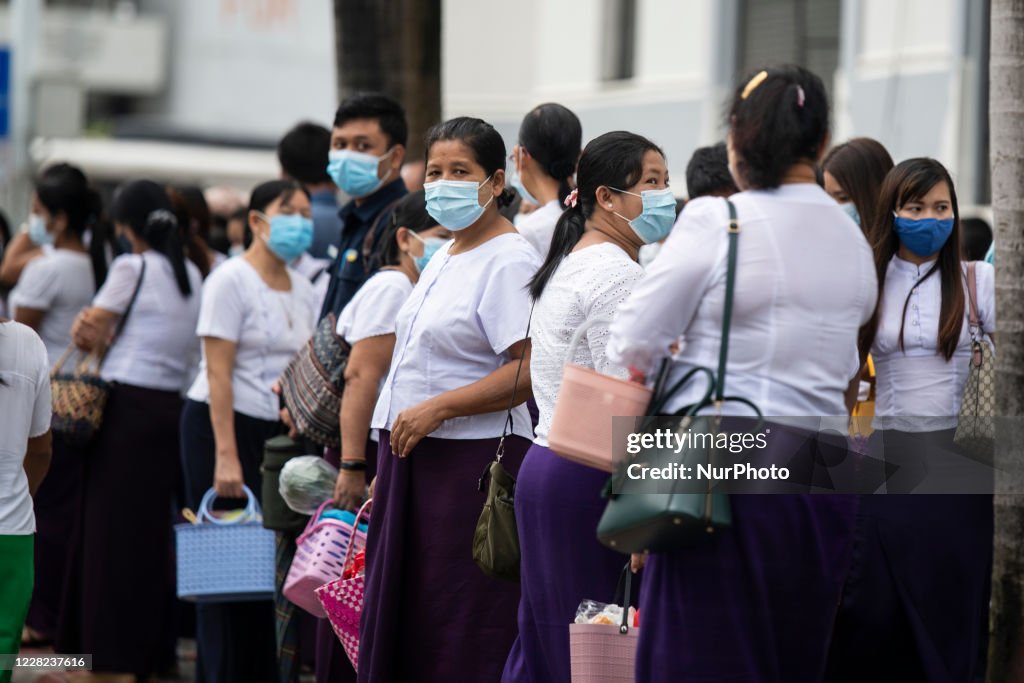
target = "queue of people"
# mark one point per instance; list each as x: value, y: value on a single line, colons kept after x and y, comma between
x: 457, y: 319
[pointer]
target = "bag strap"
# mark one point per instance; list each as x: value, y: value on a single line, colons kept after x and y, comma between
x: 625, y: 589
x: 509, y: 424
x: 730, y: 290
x: 369, y: 244
x: 127, y: 311
x: 974, y: 321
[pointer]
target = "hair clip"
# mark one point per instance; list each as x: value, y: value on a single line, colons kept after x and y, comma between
x: 799, y: 96
x: 573, y: 198
x: 752, y: 84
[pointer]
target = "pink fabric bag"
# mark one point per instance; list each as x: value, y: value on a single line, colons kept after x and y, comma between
x: 319, y: 558
x: 581, y: 426
x: 342, y: 600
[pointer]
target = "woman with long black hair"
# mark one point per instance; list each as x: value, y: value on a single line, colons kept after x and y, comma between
x: 149, y: 304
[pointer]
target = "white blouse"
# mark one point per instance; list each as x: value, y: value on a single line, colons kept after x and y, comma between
x: 26, y: 414
x: 268, y: 326
x: 538, y: 226
x: 158, y: 343
x: 456, y: 328
x: 61, y: 283
x: 918, y: 382
x: 589, y: 285
x: 805, y: 283
x: 373, y: 311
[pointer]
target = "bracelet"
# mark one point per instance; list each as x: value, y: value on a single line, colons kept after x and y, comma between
x: 352, y: 465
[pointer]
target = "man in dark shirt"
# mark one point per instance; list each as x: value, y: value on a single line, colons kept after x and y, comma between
x: 365, y: 160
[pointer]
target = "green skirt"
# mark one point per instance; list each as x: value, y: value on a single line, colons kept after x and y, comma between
x: 16, y: 573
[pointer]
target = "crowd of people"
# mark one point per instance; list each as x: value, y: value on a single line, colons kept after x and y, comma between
x: 456, y: 301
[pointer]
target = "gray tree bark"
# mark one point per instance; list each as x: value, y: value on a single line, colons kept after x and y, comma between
x: 394, y: 47
x: 1006, y: 112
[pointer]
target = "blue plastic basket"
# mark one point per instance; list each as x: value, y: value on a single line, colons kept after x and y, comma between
x: 225, y: 561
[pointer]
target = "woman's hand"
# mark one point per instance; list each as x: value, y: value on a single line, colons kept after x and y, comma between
x: 412, y: 424
x: 227, y: 475
x: 286, y: 417
x: 88, y: 332
x: 350, y: 490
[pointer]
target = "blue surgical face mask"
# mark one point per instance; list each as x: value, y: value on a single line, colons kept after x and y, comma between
x: 430, y: 247
x: 659, y: 213
x: 354, y: 172
x: 290, y: 235
x: 923, y: 236
x: 850, y: 209
x: 455, y: 204
x: 516, y: 181
x: 37, y: 231
x: 236, y: 250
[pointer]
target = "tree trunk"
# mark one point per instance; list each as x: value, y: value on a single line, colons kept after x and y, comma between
x: 1006, y: 111
x: 394, y: 47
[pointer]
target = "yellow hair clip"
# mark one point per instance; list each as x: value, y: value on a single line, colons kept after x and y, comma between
x: 752, y: 84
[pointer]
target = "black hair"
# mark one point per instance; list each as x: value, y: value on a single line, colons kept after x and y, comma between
x: 485, y: 142
x: 708, y: 174
x: 195, y: 245
x: 859, y: 166
x: 63, y: 188
x: 612, y: 160
x: 780, y: 121
x: 553, y: 136
x: 5, y: 231
x: 410, y: 212
x: 381, y: 108
x: 975, y: 238
x: 302, y: 153
x: 146, y: 209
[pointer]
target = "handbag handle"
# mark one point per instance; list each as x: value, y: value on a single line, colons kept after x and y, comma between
x: 355, y: 528
x: 512, y: 401
x: 313, y: 520
x: 252, y: 507
x: 625, y: 589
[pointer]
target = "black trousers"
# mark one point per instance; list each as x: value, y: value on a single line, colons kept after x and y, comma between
x: 234, y: 641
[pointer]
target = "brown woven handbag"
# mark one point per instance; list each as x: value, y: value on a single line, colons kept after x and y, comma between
x: 80, y: 396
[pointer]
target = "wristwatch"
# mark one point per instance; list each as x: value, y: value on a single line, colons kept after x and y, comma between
x: 353, y: 465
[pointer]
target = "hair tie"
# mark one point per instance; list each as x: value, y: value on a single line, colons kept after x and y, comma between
x: 799, y: 96
x: 752, y: 84
x: 573, y: 198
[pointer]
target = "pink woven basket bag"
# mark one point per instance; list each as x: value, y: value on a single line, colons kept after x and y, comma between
x: 342, y: 600
x: 605, y: 653
x: 319, y: 558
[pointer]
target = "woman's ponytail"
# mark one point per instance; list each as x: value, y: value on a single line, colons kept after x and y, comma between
x: 162, y: 234
x: 568, y: 232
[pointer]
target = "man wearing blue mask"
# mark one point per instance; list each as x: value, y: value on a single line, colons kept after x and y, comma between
x: 302, y: 153
x: 365, y: 159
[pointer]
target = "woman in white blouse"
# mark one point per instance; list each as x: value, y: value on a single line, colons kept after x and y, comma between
x: 256, y: 314
x: 52, y: 288
x: 755, y: 601
x: 24, y: 459
x: 541, y: 167
x: 590, y: 269
x: 148, y: 305
x: 430, y: 613
x: 367, y: 324
x: 916, y: 605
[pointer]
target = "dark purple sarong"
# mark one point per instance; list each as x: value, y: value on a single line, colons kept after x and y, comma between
x: 430, y: 613
x: 558, y: 506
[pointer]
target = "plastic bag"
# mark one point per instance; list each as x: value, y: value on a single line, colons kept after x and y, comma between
x: 307, y: 481
x: 593, y: 612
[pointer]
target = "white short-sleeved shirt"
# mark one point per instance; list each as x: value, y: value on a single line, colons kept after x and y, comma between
x: 538, y: 226
x: 373, y: 311
x: 61, y: 283
x: 24, y: 368
x: 455, y: 328
x: 268, y: 326
x: 588, y: 286
x: 805, y: 283
x: 155, y: 348
x: 918, y: 382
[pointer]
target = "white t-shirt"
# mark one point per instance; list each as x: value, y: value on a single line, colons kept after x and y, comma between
x: 589, y: 285
x: 455, y: 328
x: 61, y: 283
x: 26, y: 413
x: 158, y: 341
x: 805, y: 283
x: 373, y: 311
x: 918, y: 382
x: 538, y: 226
x: 268, y: 326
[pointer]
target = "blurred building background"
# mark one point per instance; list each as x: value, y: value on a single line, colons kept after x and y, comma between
x: 199, y: 91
